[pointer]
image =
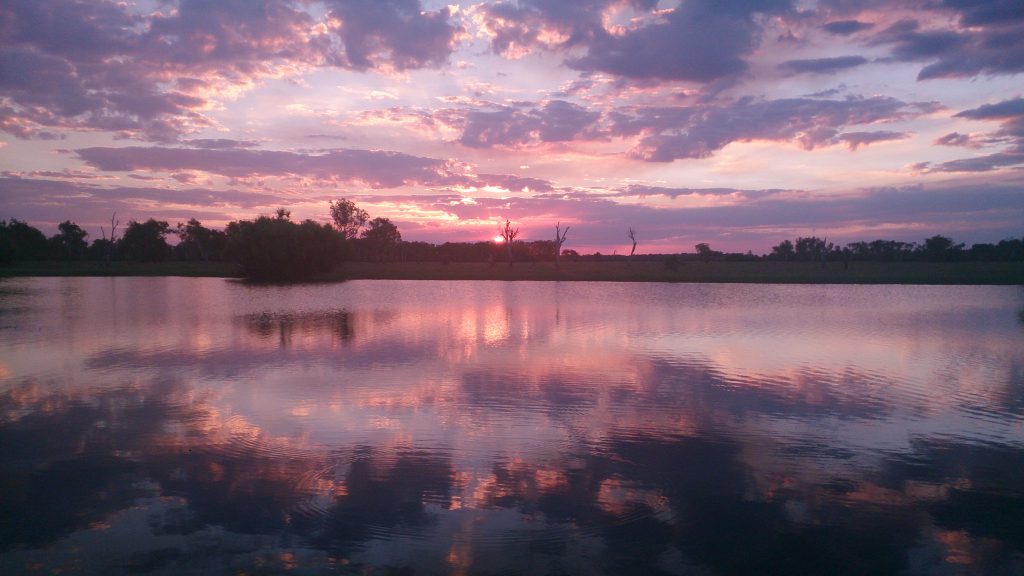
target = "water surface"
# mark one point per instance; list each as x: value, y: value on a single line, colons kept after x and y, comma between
x: 177, y: 426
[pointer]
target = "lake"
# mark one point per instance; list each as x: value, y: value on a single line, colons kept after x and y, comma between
x: 205, y: 426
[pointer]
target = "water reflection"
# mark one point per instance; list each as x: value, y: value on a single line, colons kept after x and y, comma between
x: 509, y: 428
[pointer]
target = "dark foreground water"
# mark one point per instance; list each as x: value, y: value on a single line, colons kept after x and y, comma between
x: 201, y: 426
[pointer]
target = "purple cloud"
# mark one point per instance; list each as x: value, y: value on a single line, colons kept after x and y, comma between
x: 822, y: 65
x: 857, y: 139
x: 989, y: 40
x: 98, y: 65
x: 697, y: 132
x: 847, y: 27
x: 1007, y: 109
x: 700, y: 41
x: 554, y: 121
x: 398, y: 33
x: 1010, y: 113
x: 377, y: 169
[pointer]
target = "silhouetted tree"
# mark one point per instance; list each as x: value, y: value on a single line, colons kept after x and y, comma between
x: 812, y: 248
x: 146, y: 242
x: 348, y: 218
x: 784, y: 251
x: 111, y: 243
x: 197, y: 242
x: 632, y: 237
x: 382, y: 238
x: 69, y: 242
x: 19, y: 242
x: 279, y: 249
x: 559, y: 240
x: 705, y: 252
x: 509, y: 235
x: 939, y: 248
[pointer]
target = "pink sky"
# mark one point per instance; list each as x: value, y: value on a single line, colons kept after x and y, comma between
x: 739, y: 123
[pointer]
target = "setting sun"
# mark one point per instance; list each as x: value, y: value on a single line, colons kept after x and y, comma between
x: 499, y: 239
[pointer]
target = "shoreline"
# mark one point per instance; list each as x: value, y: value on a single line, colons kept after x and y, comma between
x: 758, y: 272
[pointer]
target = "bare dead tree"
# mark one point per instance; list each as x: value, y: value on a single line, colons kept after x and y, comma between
x: 559, y: 240
x: 509, y: 234
x: 632, y: 236
x: 113, y: 238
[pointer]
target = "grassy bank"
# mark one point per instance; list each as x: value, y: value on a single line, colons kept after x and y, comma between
x: 210, y: 269
x: 746, y: 272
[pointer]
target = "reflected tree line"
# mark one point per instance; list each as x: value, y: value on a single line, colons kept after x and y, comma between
x: 277, y: 247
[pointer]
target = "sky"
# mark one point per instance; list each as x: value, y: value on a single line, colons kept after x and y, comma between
x: 739, y: 123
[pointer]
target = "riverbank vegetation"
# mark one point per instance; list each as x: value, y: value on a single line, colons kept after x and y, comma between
x: 354, y: 246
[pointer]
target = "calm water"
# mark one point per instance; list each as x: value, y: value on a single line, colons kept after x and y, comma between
x: 180, y: 426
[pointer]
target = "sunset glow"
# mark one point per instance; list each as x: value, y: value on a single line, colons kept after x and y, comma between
x: 691, y: 121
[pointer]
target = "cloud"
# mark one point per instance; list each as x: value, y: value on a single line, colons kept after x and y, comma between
x: 958, y: 139
x: 857, y: 139
x: 1010, y: 113
x: 698, y: 131
x: 1013, y: 108
x: 512, y: 127
x: 988, y: 40
x: 377, y: 169
x: 847, y: 27
x: 699, y: 40
x: 822, y: 65
x: 101, y: 66
x: 981, y: 163
x: 34, y: 199
x: 395, y: 33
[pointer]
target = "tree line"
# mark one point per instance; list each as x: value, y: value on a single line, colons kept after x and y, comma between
x: 278, y: 248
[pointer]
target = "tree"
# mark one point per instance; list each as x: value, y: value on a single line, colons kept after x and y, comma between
x: 111, y: 244
x: 559, y: 240
x: 784, y: 251
x: 812, y: 248
x: 146, y: 242
x: 508, y: 235
x: 939, y: 248
x: 382, y: 237
x: 278, y: 249
x: 632, y: 236
x: 197, y: 242
x: 348, y: 218
x: 19, y: 241
x: 69, y: 242
x: 705, y: 251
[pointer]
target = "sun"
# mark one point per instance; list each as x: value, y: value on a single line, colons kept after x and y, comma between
x: 499, y: 239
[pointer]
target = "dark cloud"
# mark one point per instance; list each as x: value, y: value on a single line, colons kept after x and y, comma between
x: 700, y: 40
x: 857, y: 139
x: 515, y: 183
x: 988, y: 40
x: 1013, y: 108
x: 242, y: 35
x: 958, y: 139
x: 98, y: 65
x: 697, y: 132
x: 847, y: 27
x: 554, y: 121
x: 398, y: 33
x: 982, y: 163
x: 822, y: 65
x: 220, y: 143
x: 1010, y: 113
x: 378, y: 169
x: 517, y: 26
